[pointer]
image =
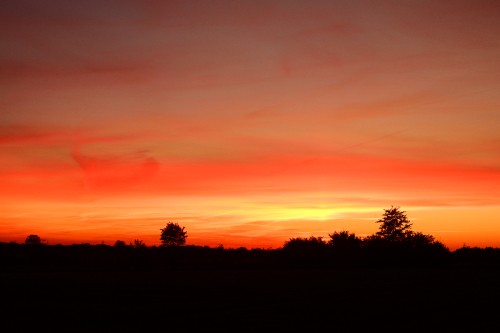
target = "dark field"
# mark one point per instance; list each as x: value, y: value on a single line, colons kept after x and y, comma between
x: 436, y: 299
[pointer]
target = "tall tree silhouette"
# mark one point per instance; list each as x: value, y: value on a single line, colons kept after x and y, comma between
x: 395, y: 225
x: 173, y: 235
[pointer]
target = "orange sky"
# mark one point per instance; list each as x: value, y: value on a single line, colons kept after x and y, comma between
x: 248, y: 122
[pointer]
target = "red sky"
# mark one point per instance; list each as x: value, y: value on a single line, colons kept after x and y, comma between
x: 248, y: 122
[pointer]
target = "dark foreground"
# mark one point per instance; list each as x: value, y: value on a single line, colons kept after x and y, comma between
x: 432, y: 299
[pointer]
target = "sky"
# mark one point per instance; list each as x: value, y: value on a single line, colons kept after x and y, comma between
x: 248, y: 122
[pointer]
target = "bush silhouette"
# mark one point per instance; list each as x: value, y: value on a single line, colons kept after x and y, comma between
x: 138, y: 244
x: 120, y: 243
x: 305, y: 244
x: 344, y: 241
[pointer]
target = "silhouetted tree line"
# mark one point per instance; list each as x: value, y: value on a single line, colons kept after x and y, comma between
x: 395, y: 244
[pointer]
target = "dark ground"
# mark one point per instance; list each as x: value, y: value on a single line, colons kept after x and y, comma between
x: 451, y: 299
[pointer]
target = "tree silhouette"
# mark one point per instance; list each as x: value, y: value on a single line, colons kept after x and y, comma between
x: 173, y: 235
x: 396, y: 244
x: 395, y: 225
x: 33, y: 240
